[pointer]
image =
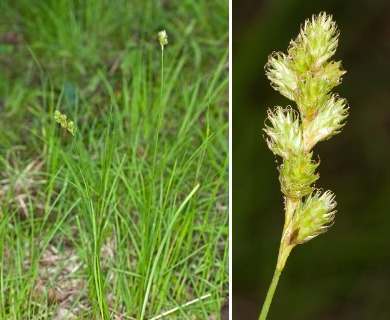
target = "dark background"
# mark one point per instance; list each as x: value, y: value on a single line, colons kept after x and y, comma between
x: 345, y: 273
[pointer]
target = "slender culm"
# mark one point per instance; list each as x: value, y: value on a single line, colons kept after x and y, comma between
x: 305, y: 75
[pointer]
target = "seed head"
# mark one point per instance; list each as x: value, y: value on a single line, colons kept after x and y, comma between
x: 306, y: 75
x: 163, y: 38
x: 62, y: 120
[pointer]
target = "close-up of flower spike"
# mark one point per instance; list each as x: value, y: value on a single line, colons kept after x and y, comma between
x: 306, y: 76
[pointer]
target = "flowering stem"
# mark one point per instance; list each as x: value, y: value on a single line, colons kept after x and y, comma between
x: 162, y: 73
x: 270, y: 294
x: 284, y: 251
x: 305, y: 75
x: 163, y: 39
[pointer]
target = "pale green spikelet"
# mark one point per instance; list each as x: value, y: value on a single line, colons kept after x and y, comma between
x: 315, y: 44
x: 283, y: 77
x: 163, y: 38
x: 62, y: 120
x: 297, y: 175
x: 284, y: 132
x: 327, y: 122
x: 313, y: 217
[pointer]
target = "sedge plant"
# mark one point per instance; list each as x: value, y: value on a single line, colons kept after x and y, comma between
x: 161, y: 237
x: 97, y: 218
x: 305, y: 75
x: 157, y: 247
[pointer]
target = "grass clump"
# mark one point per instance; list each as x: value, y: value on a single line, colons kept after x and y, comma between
x: 121, y: 213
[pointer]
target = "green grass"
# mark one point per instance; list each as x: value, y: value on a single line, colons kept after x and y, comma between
x: 129, y: 219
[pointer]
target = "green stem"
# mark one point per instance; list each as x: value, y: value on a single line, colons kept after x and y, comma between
x: 162, y: 73
x: 270, y: 294
x: 284, y: 251
x: 160, y: 110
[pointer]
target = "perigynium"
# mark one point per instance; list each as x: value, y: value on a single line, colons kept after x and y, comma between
x: 305, y: 75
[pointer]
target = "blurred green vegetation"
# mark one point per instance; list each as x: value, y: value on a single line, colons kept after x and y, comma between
x: 343, y: 274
